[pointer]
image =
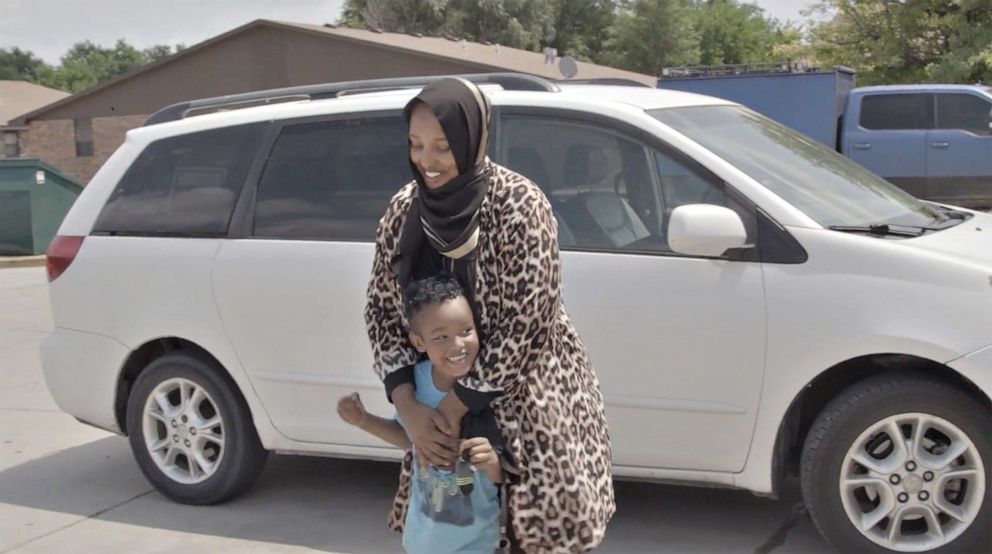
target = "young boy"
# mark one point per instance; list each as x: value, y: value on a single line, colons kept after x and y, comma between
x: 449, y: 511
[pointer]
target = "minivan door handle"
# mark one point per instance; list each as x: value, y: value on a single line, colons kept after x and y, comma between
x: 940, y: 144
x: 862, y: 145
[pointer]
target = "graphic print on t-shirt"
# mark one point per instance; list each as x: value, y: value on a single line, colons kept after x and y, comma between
x: 442, y: 500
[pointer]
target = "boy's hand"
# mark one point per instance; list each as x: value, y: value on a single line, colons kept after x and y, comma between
x: 479, y: 452
x: 351, y: 410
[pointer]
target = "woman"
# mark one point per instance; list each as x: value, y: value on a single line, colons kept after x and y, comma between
x: 495, y: 231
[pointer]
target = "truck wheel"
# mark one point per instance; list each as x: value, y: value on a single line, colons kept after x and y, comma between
x: 901, y: 464
x: 191, y: 432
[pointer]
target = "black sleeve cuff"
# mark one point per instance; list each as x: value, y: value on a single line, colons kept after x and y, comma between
x: 475, y: 401
x: 399, y: 377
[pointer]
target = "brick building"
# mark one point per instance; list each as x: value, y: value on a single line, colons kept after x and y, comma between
x: 78, y: 133
x: 16, y: 98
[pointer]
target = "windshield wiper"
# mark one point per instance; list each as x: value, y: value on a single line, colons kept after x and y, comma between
x: 880, y: 229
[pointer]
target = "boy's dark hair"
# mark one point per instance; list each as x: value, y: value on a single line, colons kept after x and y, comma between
x: 430, y: 291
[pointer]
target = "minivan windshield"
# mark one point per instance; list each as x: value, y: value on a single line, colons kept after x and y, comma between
x: 829, y: 188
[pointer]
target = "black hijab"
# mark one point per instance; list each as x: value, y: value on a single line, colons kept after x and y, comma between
x: 441, y: 231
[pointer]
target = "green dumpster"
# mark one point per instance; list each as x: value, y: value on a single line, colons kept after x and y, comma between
x: 34, y: 198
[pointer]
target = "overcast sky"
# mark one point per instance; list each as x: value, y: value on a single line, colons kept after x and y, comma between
x: 49, y: 27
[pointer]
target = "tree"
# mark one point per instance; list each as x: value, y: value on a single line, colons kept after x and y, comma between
x: 906, y: 41
x: 649, y: 35
x: 396, y: 16
x: 524, y: 24
x: 82, y: 66
x: 21, y: 65
x: 516, y: 23
x: 161, y: 51
x: 580, y: 26
x: 86, y: 64
x: 732, y: 33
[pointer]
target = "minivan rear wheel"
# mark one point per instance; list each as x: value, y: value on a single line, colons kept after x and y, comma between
x: 900, y: 464
x: 191, y: 431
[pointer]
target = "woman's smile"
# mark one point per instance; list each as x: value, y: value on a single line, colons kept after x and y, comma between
x: 435, y: 178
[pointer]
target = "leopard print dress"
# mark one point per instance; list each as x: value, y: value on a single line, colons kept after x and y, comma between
x: 551, y: 408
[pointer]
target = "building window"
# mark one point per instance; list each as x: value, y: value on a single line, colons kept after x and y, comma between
x: 11, y: 148
x: 84, y: 136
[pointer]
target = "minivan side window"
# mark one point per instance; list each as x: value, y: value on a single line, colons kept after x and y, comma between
x: 183, y: 185
x: 608, y: 190
x: 332, y: 179
x: 966, y: 112
x: 897, y: 111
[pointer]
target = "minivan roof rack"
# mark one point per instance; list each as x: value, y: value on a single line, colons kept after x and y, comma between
x: 613, y: 81
x: 692, y: 71
x: 181, y: 110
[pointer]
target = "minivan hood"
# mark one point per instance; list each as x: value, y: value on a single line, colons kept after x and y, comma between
x: 970, y: 241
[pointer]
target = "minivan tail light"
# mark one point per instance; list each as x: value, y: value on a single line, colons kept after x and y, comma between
x: 60, y: 254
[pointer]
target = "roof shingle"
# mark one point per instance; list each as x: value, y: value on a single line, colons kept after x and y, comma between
x: 20, y: 97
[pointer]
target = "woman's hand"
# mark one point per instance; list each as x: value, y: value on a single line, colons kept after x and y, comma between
x: 428, y: 429
x: 453, y: 410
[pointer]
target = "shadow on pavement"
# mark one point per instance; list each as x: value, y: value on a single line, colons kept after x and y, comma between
x: 321, y: 503
x: 341, y: 505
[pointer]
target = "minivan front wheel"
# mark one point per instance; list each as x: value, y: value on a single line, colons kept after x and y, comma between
x: 900, y: 465
x: 191, y: 433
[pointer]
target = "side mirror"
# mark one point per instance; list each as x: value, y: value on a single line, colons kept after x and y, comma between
x: 705, y: 230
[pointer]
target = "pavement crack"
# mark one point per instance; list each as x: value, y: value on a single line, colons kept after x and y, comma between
x: 78, y: 521
x: 778, y: 537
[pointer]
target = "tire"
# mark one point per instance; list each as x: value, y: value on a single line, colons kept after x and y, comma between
x: 852, y: 470
x: 203, y: 454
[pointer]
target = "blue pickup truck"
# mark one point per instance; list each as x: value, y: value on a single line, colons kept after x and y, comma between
x: 934, y: 141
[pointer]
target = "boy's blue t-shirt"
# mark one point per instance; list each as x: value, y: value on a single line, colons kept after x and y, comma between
x: 439, y: 519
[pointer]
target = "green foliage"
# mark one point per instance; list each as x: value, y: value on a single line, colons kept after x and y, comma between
x: 396, y: 16
x: 732, y: 33
x: 641, y: 35
x: 524, y: 24
x: 652, y: 34
x: 580, y: 26
x: 516, y: 23
x: 82, y: 66
x: 20, y: 65
x: 906, y: 41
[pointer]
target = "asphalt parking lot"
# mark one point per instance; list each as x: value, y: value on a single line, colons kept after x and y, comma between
x: 66, y: 487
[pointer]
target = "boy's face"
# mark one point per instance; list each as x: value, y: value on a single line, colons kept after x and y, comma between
x: 446, y: 332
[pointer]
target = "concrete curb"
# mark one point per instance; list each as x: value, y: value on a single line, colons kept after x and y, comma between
x: 22, y: 261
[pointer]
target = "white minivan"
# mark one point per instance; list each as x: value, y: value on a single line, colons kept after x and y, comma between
x: 755, y: 305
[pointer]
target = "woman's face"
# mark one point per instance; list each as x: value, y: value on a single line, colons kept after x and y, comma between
x: 429, y: 149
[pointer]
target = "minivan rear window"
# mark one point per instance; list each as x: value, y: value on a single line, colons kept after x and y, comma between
x: 184, y: 185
